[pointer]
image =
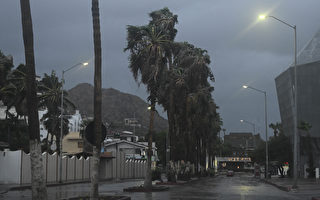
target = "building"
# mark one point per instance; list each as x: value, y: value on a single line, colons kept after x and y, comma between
x: 75, y: 122
x: 131, y: 150
x: 308, y: 107
x: 72, y: 143
x: 242, y: 143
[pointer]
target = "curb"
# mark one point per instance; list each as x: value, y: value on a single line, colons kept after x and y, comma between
x: 142, y: 189
x: 283, y: 188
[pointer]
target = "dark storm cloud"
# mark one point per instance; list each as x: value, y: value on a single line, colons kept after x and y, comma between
x: 242, y: 50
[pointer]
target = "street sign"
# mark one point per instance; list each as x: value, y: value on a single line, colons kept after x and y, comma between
x: 89, y: 133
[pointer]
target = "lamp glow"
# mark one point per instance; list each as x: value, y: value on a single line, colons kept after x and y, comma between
x: 245, y: 86
x: 262, y: 17
x: 241, y: 120
x: 85, y: 64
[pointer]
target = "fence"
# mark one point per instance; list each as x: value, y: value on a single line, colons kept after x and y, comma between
x: 15, y: 168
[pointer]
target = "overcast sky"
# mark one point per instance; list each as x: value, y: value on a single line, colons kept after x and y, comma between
x: 242, y: 49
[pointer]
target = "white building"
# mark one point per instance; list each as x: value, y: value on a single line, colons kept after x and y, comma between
x: 132, y: 150
x: 75, y: 122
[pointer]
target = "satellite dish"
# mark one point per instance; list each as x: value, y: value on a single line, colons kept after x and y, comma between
x: 89, y: 133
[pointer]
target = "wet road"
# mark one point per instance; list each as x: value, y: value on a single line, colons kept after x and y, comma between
x: 240, y: 187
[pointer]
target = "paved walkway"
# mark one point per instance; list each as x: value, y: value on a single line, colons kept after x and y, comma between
x: 306, y: 187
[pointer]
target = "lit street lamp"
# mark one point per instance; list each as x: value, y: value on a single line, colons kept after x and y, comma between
x: 252, y: 124
x: 295, y: 111
x: 61, y: 119
x: 266, y: 123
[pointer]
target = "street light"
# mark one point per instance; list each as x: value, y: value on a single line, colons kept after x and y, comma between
x: 61, y: 120
x: 295, y: 111
x: 252, y: 124
x: 266, y: 122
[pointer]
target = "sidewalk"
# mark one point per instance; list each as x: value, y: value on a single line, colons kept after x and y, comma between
x: 4, y: 188
x: 308, y: 187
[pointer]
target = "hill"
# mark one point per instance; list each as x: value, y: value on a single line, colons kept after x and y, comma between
x: 116, y: 106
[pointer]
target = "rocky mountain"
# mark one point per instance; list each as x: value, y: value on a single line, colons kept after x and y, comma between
x: 116, y: 107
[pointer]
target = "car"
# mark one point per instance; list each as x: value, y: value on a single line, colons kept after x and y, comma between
x: 230, y: 173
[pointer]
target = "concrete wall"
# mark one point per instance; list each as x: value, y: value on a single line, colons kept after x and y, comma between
x: 15, y: 168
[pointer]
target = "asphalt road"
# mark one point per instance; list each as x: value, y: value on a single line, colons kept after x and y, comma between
x: 240, y: 187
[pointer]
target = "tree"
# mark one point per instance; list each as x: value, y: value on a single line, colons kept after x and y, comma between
x: 97, y: 100
x: 147, y: 46
x: 160, y: 140
x: 6, y: 64
x: 176, y: 76
x: 280, y: 150
x: 277, y: 128
x: 38, y: 186
x: 15, y: 91
x: 166, y: 21
x: 306, y: 145
x: 50, y: 98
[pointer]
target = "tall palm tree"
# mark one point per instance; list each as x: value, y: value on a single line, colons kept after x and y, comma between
x: 166, y: 21
x: 148, y: 46
x: 97, y: 100
x: 38, y: 185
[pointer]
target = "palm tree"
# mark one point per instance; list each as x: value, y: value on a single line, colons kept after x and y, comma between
x: 97, y: 100
x: 165, y: 21
x: 148, y: 46
x: 6, y: 64
x: 50, y: 98
x: 16, y: 90
x: 38, y: 185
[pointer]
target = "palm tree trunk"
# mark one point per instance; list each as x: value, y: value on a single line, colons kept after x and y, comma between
x: 97, y: 100
x: 38, y: 184
x: 148, y: 180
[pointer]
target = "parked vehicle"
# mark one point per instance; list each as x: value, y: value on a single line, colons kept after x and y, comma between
x: 230, y: 173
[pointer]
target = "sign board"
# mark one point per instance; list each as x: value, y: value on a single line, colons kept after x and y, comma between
x: 89, y: 133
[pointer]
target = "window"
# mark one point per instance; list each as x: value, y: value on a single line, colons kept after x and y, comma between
x: 80, y: 144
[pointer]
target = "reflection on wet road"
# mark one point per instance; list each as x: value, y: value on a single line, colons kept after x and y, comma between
x: 241, y: 186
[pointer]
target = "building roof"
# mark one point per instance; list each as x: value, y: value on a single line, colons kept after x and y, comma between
x: 128, y: 142
x: 242, y: 134
x: 311, y: 52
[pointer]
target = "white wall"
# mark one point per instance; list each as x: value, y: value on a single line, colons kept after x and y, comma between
x: 10, y: 167
x: 15, y: 168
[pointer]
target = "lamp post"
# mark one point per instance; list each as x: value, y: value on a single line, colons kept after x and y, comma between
x: 266, y: 124
x: 61, y: 117
x: 295, y: 110
x: 252, y: 124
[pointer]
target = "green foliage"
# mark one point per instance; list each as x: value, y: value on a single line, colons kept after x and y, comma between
x: 177, y: 76
x: 160, y: 140
x: 13, y: 95
x: 50, y: 98
x: 6, y: 64
x: 306, y: 144
x: 15, y: 133
x: 280, y: 149
x: 156, y: 174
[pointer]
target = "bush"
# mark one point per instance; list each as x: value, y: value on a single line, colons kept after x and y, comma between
x: 156, y: 174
